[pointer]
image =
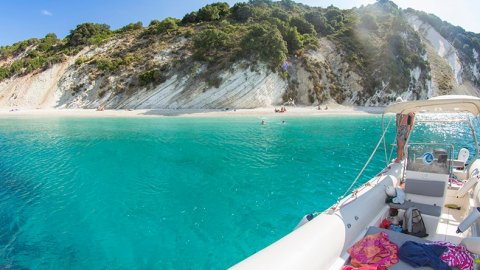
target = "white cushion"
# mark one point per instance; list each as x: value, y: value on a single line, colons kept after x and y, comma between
x: 472, y: 244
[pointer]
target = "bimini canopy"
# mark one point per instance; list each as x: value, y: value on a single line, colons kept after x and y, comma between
x: 440, y: 104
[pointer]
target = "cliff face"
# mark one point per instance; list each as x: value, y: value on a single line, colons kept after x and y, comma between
x: 366, y: 56
x: 66, y: 86
x: 70, y: 85
x: 240, y: 88
x: 449, y: 75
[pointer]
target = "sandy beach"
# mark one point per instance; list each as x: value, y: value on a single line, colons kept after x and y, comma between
x: 258, y: 112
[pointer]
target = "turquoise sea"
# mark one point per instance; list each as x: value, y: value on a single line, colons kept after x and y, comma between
x: 168, y: 193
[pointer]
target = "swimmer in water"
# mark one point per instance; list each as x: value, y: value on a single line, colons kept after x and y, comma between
x: 263, y: 122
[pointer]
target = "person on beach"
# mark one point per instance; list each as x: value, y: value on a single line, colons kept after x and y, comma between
x: 405, y: 123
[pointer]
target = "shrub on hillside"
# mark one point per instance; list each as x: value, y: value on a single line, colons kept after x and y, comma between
x: 319, y: 22
x: 309, y: 41
x: 213, y: 12
x: 281, y: 15
x: 107, y: 64
x: 151, y: 77
x: 241, y: 12
x: 302, y: 26
x: 131, y: 27
x: 16, y: 48
x: 208, y: 13
x: 261, y: 3
x: 88, y: 33
x: 167, y: 25
x: 223, y: 9
x: 47, y: 42
x: 294, y: 40
x: 154, y: 23
x: 266, y: 43
x: 334, y: 18
x: 4, y: 73
x: 191, y: 17
x: 210, y: 41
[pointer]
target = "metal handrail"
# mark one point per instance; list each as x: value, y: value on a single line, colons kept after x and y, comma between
x: 476, y: 143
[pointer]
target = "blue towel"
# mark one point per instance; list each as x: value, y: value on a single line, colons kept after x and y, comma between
x: 417, y: 255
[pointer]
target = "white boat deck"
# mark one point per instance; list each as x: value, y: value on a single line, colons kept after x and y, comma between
x: 450, y: 219
x: 447, y: 227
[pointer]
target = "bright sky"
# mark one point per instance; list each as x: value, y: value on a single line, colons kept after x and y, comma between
x: 22, y: 19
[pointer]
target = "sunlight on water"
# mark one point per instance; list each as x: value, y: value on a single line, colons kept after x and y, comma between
x: 430, y: 128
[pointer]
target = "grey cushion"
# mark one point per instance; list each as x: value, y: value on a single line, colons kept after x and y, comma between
x: 396, y: 237
x: 425, y: 187
x: 425, y: 209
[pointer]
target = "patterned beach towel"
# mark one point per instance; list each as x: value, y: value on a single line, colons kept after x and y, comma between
x: 456, y: 256
x: 375, y: 250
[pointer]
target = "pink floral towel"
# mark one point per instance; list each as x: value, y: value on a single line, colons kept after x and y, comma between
x: 375, y: 250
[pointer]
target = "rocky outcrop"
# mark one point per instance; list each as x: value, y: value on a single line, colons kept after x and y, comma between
x: 38, y: 90
x: 240, y: 88
x: 323, y: 74
x: 441, y: 46
x: 448, y: 74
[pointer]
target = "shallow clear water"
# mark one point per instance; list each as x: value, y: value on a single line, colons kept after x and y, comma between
x: 168, y: 192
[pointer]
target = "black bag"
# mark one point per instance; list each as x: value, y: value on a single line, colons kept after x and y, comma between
x: 413, y: 223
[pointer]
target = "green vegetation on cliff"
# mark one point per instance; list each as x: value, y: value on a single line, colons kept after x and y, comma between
x: 374, y: 41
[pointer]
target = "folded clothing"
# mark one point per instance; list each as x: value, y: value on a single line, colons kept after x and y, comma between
x: 374, y: 250
x: 455, y: 255
x: 417, y: 255
x: 400, y: 198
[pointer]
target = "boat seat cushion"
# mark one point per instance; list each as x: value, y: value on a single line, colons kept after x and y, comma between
x: 396, y: 237
x: 399, y: 239
x: 425, y: 187
x: 425, y: 209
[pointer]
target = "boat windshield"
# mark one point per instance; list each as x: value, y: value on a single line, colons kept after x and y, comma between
x: 436, y: 140
x: 429, y: 157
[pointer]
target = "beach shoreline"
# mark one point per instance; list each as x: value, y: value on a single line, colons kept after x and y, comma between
x: 257, y: 112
